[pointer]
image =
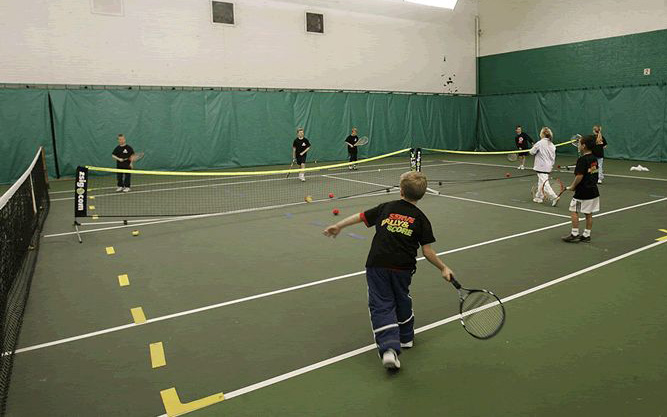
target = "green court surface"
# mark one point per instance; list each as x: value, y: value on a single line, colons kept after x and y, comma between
x: 239, y: 299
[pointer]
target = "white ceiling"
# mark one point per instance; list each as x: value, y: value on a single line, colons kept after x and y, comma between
x: 390, y: 8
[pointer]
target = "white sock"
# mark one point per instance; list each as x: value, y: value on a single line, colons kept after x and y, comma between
x: 575, y: 232
x: 587, y: 233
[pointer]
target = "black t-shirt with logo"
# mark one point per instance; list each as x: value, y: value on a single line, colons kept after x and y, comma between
x: 400, y: 228
x: 123, y: 152
x: 300, y: 145
x: 352, y: 140
x: 598, y: 149
x: 587, y: 189
x: 523, y: 141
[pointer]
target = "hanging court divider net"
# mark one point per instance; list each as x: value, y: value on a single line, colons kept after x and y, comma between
x: 23, y: 209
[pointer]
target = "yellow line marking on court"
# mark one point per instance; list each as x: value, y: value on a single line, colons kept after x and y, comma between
x: 174, y: 407
x: 660, y: 239
x: 91, y: 197
x: 110, y: 250
x: 95, y: 217
x: 138, y: 315
x: 123, y: 280
x: 91, y: 207
x: 157, y: 355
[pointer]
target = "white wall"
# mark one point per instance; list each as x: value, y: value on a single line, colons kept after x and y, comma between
x: 173, y: 42
x: 512, y: 25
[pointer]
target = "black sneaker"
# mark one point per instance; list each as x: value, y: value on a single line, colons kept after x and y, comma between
x: 584, y: 239
x: 571, y: 239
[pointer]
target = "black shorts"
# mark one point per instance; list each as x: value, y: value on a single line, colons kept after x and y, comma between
x: 522, y: 153
x: 301, y: 159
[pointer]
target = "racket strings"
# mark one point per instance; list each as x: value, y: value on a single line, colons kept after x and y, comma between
x: 482, y: 314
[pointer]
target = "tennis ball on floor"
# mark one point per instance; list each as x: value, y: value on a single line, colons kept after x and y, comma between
x: 507, y: 174
x: 135, y: 233
x: 331, y: 195
x: 335, y: 212
x: 308, y: 199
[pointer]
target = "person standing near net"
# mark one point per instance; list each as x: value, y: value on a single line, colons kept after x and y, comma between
x: 122, y: 154
x: 598, y: 150
x: 545, y: 157
x: 586, y: 198
x: 523, y: 142
x: 351, y: 142
x: 300, y: 148
x: 400, y: 228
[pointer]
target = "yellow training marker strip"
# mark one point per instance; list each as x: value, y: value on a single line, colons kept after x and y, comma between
x: 138, y: 315
x: 91, y: 207
x: 123, y: 280
x: 157, y: 355
x: 110, y: 250
x: 95, y: 217
x: 91, y: 197
x: 174, y: 407
x: 660, y: 239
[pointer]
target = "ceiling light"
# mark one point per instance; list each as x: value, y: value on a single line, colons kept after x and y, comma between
x: 445, y: 4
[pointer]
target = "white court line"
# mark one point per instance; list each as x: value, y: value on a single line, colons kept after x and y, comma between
x: 364, y: 349
x: 500, y: 205
x: 514, y: 166
x: 310, y: 284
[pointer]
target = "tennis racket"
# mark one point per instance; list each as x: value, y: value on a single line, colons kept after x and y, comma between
x: 556, y: 187
x: 512, y: 157
x: 362, y: 141
x: 574, y: 140
x: 290, y: 167
x: 482, y: 312
x: 135, y: 157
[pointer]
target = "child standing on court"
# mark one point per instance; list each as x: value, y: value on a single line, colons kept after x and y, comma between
x: 400, y: 228
x: 523, y: 142
x: 300, y: 148
x: 586, y: 195
x: 545, y: 157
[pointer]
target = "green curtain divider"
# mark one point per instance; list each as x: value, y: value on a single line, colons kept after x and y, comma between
x: 24, y: 127
x: 188, y: 130
x: 634, y: 119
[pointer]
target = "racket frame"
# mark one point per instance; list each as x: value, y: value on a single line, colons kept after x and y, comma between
x: 462, y: 298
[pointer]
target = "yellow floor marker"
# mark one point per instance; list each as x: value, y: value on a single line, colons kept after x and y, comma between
x: 123, y: 280
x: 138, y: 315
x: 660, y: 239
x: 91, y: 197
x: 174, y: 407
x: 110, y: 250
x: 91, y: 207
x: 157, y: 355
x: 95, y: 217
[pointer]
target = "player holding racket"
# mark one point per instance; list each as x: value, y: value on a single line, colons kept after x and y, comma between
x: 400, y: 228
x: 586, y: 194
x: 122, y: 154
x: 523, y: 142
x: 545, y: 157
x: 300, y: 148
x: 351, y: 142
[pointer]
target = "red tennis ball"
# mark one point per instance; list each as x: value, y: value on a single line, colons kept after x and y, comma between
x: 331, y: 195
x: 507, y: 174
x: 335, y: 212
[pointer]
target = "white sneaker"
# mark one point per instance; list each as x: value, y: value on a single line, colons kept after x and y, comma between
x: 522, y: 167
x: 599, y: 181
x: 554, y: 202
x: 119, y: 189
x: 303, y: 179
x: 407, y: 345
x: 126, y: 189
x: 390, y: 359
x: 538, y: 200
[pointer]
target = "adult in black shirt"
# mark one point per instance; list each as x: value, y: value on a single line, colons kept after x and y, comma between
x: 122, y: 154
x: 586, y: 198
x: 598, y: 150
x: 351, y: 143
x: 300, y: 148
x: 524, y: 142
x: 400, y: 228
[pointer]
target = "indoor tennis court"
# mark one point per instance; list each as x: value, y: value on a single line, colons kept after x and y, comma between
x: 189, y: 273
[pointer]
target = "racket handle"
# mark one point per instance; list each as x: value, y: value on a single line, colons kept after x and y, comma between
x: 455, y: 283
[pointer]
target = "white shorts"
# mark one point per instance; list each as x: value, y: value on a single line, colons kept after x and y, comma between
x: 585, y: 206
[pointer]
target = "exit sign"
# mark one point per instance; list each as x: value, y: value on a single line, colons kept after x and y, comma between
x: 647, y: 71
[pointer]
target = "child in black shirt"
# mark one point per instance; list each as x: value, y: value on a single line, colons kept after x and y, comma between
x: 400, y: 228
x: 351, y: 143
x: 524, y: 142
x: 586, y: 194
x: 122, y: 154
x: 300, y: 148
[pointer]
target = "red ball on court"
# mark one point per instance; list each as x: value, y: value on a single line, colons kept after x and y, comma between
x: 507, y: 174
x: 331, y: 195
x: 335, y: 212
